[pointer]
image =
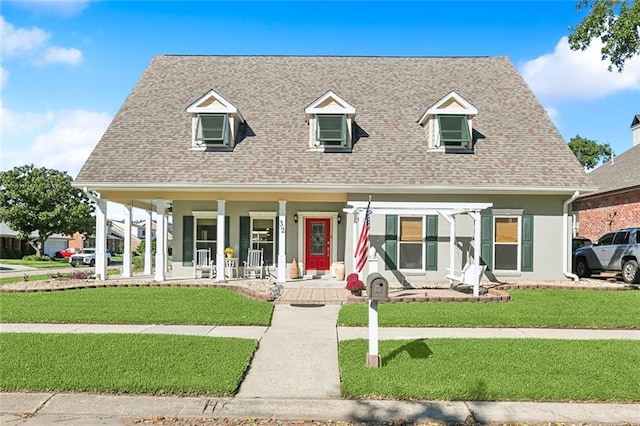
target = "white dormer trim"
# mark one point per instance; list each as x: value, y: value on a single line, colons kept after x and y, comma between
x: 444, y: 106
x: 451, y: 104
x: 330, y: 103
x: 214, y: 103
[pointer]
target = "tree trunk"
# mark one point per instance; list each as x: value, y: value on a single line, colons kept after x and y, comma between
x: 37, y: 245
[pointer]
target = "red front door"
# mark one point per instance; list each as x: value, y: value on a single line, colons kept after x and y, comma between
x: 317, y: 245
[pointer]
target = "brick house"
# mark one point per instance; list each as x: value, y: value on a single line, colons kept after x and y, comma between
x: 282, y: 154
x: 616, y: 203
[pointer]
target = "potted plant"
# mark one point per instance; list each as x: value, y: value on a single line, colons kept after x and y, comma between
x: 229, y: 252
x: 355, y: 284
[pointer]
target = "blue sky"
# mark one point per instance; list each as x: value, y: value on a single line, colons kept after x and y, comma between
x: 67, y: 66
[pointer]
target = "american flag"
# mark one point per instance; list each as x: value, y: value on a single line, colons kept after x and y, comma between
x: 362, y: 247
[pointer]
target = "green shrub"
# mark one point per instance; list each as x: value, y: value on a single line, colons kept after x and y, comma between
x: 36, y: 258
x: 138, y: 263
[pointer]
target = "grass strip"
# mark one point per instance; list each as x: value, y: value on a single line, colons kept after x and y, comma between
x: 528, y: 308
x: 494, y: 369
x: 141, y: 363
x: 136, y: 305
x: 40, y: 264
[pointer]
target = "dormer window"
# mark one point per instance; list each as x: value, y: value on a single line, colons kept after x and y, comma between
x: 448, y: 124
x: 213, y: 129
x: 330, y: 121
x: 215, y: 123
x: 454, y: 132
x: 331, y: 130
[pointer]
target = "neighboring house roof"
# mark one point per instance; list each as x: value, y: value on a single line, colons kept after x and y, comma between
x: 622, y: 173
x: 519, y: 146
x: 6, y: 231
x: 636, y: 120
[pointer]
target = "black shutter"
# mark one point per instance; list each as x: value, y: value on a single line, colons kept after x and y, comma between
x: 527, y: 243
x: 431, y: 249
x: 187, y: 240
x: 486, y: 240
x: 391, y: 242
x: 245, y: 238
x: 227, y: 232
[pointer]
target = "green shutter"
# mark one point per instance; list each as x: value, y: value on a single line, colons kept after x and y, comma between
x: 391, y: 242
x: 227, y: 231
x: 245, y: 238
x: 187, y: 240
x: 527, y: 243
x: 431, y: 251
x: 486, y: 240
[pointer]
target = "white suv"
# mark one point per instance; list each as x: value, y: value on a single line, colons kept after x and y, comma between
x: 87, y: 257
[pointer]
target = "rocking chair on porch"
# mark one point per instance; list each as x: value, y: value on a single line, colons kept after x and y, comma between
x: 254, y: 264
x: 204, y: 264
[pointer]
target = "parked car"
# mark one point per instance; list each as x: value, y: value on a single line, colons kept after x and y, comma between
x: 578, y: 242
x: 87, y: 257
x: 617, y: 251
x: 67, y: 253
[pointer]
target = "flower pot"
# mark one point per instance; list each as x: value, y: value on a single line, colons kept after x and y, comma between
x: 229, y: 255
x: 357, y: 292
x: 339, y: 271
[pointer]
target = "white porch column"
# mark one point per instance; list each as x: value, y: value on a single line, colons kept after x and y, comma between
x: 476, y: 252
x: 357, y: 228
x: 282, y: 241
x: 160, y: 249
x: 101, y: 240
x: 126, y: 255
x: 220, y: 242
x: 147, y: 244
x: 166, y: 243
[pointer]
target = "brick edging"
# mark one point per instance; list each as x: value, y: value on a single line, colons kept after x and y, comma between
x: 495, y: 295
x: 625, y: 287
x: 242, y: 290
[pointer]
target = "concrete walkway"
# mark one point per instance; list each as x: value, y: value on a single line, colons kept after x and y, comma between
x: 298, y: 355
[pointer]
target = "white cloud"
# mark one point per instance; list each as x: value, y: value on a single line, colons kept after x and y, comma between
x: 71, y: 56
x: 21, y: 41
x: 4, y: 75
x: 568, y: 74
x: 552, y: 112
x: 32, y: 44
x: 59, y: 140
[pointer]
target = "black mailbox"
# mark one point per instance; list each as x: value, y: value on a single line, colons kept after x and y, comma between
x: 377, y: 287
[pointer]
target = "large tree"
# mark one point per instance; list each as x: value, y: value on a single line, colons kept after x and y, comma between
x: 589, y: 152
x: 43, y: 200
x: 616, y: 23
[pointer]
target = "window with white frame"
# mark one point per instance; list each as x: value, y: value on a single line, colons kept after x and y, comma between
x: 331, y: 121
x: 506, y: 245
x: 454, y: 132
x: 262, y: 237
x: 411, y: 243
x: 206, y: 230
x: 213, y: 130
x: 215, y: 123
x: 331, y: 130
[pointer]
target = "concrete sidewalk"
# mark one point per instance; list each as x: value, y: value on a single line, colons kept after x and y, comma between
x: 84, y: 409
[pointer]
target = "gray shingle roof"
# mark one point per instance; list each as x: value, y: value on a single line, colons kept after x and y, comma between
x: 148, y: 141
x: 620, y: 174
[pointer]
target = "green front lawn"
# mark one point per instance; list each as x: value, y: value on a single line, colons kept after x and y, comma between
x: 54, y: 263
x: 141, y: 363
x: 528, y: 308
x: 136, y: 305
x: 494, y: 369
